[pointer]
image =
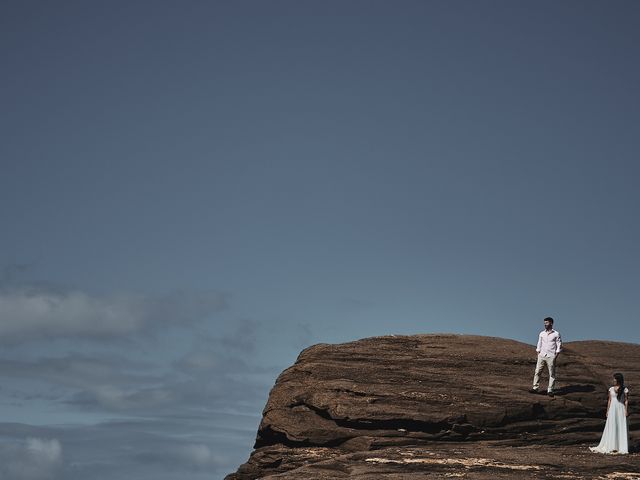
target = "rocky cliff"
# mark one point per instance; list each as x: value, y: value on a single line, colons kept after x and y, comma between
x: 440, y: 406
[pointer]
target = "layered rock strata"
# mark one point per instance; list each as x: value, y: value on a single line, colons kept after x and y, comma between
x: 433, y: 406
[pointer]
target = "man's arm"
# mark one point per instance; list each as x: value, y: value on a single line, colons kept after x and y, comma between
x: 539, y: 347
x: 558, y: 345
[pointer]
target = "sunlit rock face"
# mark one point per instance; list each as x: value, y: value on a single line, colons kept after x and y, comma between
x: 439, y: 406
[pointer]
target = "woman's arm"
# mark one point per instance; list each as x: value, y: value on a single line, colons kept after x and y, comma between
x: 626, y: 404
x: 608, y: 403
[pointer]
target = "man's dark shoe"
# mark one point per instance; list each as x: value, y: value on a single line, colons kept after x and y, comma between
x: 533, y: 390
x: 551, y: 394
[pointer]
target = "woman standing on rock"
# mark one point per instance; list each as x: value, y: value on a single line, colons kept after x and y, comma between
x: 615, y: 438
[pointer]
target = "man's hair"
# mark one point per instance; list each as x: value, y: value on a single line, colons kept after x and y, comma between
x: 548, y: 319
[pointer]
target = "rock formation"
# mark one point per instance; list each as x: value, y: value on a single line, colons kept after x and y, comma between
x: 439, y: 406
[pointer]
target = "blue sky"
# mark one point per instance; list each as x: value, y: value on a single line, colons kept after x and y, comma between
x: 192, y: 192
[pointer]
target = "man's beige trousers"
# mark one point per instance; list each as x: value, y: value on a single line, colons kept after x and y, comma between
x: 551, y: 366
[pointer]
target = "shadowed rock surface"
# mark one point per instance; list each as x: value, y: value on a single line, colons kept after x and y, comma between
x: 435, y: 406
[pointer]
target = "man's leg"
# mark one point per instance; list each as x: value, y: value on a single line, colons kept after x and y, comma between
x: 551, y: 365
x: 536, y: 376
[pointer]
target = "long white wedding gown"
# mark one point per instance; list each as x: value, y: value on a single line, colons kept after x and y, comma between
x: 615, y: 438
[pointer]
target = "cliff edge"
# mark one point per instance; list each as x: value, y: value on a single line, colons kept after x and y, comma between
x: 437, y: 406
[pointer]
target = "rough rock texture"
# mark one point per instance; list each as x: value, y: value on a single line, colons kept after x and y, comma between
x: 440, y: 406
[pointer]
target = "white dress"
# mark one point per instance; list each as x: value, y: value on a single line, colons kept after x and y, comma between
x: 615, y: 438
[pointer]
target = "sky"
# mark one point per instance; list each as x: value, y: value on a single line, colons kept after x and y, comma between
x: 193, y: 192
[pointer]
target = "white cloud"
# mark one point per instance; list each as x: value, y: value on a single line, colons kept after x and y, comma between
x: 35, y: 459
x: 197, y: 455
x: 48, y: 451
x: 177, y: 455
x: 29, y: 313
x: 114, y: 398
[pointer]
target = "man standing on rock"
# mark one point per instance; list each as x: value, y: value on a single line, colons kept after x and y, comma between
x: 549, y: 347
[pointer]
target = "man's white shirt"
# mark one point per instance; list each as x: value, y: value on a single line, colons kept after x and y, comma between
x: 549, y: 343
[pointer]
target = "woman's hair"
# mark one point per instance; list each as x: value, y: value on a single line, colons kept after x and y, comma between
x: 620, y: 379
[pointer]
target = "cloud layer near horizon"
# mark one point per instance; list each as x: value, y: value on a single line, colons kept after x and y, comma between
x: 33, y: 313
x: 150, y: 449
x: 175, y: 372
